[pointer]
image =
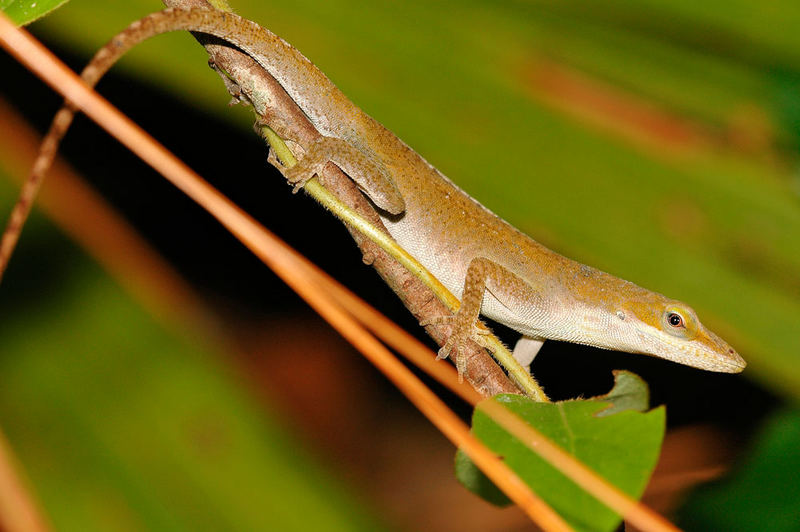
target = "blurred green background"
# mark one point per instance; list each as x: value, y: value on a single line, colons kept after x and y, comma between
x: 655, y: 140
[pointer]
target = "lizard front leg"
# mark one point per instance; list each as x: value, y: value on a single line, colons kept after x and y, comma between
x: 368, y: 172
x: 526, y: 349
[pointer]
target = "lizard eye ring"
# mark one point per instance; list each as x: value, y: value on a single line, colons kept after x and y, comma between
x: 676, y: 320
x: 679, y: 321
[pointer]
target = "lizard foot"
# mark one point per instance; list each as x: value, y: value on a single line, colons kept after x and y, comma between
x: 296, y: 175
x: 300, y: 174
x: 455, y: 345
x: 477, y: 332
x: 454, y: 349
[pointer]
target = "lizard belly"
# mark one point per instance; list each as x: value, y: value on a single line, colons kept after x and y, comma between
x: 449, y: 264
x: 435, y: 254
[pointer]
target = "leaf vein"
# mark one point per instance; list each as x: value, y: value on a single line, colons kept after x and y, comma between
x: 567, y: 428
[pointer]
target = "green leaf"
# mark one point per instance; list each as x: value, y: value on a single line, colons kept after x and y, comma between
x: 622, y: 447
x: 474, y: 479
x: 630, y: 392
x: 762, y: 493
x: 26, y: 11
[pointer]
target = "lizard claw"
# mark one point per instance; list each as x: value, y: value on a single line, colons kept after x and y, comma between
x: 454, y: 349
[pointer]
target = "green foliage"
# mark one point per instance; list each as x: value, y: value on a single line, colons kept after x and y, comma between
x: 762, y: 493
x: 121, y: 425
x: 622, y: 447
x: 26, y: 11
x: 629, y: 393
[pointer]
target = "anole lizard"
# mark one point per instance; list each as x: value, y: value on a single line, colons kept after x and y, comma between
x: 495, y: 269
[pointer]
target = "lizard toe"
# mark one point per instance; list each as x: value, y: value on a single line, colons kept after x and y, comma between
x: 299, y: 174
x: 437, y: 320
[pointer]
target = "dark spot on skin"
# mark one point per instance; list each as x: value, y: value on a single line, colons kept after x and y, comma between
x: 588, y: 271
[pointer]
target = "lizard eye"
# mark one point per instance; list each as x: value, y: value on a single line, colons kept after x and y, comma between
x: 676, y: 320
x: 679, y: 322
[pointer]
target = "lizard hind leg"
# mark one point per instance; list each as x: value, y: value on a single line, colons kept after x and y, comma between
x: 366, y: 170
x: 464, y: 322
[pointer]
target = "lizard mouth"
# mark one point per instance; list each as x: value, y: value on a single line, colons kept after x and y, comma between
x: 727, y: 361
x: 718, y: 357
x: 734, y: 364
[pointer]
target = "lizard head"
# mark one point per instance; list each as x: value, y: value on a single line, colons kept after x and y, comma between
x: 670, y: 329
x: 627, y: 317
